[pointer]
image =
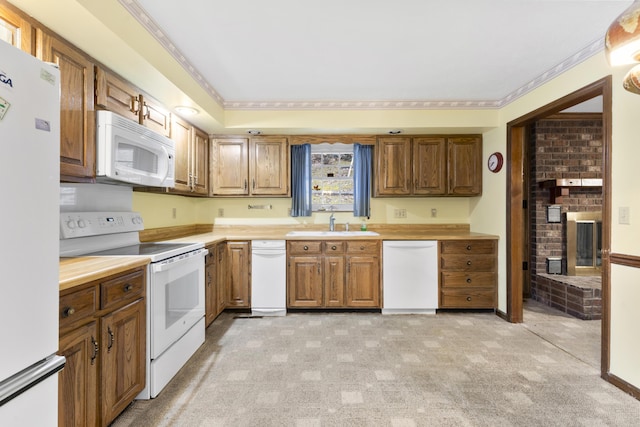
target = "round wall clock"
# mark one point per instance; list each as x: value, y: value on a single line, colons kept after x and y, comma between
x: 495, y: 162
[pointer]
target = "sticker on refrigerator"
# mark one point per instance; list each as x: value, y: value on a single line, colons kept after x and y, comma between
x: 5, y: 80
x: 43, y: 125
x: 47, y: 76
x: 4, y: 106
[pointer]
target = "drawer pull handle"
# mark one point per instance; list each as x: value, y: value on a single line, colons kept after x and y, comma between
x: 94, y: 343
x: 306, y: 248
x: 468, y: 298
x: 469, y: 262
x: 333, y: 248
x: 468, y: 247
x: 111, y: 339
x: 69, y: 311
x: 362, y: 248
x: 468, y: 279
x: 127, y: 287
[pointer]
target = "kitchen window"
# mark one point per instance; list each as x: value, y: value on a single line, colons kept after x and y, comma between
x: 332, y: 177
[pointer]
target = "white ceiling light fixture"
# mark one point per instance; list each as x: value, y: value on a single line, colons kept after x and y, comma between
x: 254, y: 132
x: 395, y: 132
x: 622, y: 45
x: 187, y: 111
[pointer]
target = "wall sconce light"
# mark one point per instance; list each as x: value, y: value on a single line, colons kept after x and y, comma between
x: 622, y: 45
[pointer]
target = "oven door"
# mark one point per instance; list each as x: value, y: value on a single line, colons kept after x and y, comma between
x: 176, y: 294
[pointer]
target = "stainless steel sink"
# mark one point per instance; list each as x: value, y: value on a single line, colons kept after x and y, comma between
x: 317, y: 233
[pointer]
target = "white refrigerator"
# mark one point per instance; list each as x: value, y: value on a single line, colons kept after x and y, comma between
x: 29, y: 230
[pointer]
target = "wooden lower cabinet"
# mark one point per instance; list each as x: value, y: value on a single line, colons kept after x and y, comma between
x: 214, y: 293
x: 333, y: 274
x: 468, y: 274
x: 238, y: 276
x: 103, y: 337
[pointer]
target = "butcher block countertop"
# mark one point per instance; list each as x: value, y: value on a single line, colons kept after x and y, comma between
x: 80, y: 270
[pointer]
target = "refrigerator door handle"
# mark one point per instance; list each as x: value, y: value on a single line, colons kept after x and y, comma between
x: 22, y: 381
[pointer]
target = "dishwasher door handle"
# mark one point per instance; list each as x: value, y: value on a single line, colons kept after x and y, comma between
x: 268, y: 254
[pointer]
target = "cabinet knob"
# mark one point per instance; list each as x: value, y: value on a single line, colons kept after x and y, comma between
x: 127, y: 287
x: 333, y: 248
x: 468, y: 247
x: 469, y: 262
x: 362, y: 248
x: 68, y: 311
x: 306, y: 248
x: 468, y: 298
x: 468, y: 279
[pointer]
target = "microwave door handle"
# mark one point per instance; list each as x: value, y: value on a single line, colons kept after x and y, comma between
x: 166, y: 154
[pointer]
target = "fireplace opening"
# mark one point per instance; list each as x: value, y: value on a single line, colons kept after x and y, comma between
x: 584, y: 243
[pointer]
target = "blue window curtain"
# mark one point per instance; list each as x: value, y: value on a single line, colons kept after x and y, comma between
x: 362, y: 178
x: 301, y: 180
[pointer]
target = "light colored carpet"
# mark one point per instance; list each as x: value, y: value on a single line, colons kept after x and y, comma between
x: 366, y: 369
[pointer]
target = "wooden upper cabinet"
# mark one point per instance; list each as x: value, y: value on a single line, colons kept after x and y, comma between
x: 393, y: 166
x: 155, y: 116
x: 117, y: 95
x: 268, y: 166
x: 200, y: 162
x: 192, y: 158
x: 230, y: 166
x: 77, y: 113
x: 465, y: 166
x: 429, y: 166
x: 16, y: 30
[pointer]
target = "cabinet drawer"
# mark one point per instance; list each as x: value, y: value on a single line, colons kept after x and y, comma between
x: 363, y: 247
x: 467, y: 298
x: 333, y: 247
x: 77, y: 306
x: 468, y: 263
x: 210, y: 257
x: 468, y: 280
x: 472, y: 247
x: 305, y: 247
x: 121, y: 289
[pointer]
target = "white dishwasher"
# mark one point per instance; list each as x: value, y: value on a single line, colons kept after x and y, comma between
x: 410, y: 276
x: 268, y: 277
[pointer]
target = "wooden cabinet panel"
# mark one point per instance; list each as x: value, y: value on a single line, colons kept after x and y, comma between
x: 429, y: 166
x: 304, y: 247
x: 181, y: 134
x: 16, y: 30
x: 393, y: 166
x: 238, y: 275
x: 200, y: 162
x: 77, y: 307
x: 363, y: 281
x: 77, y: 113
x: 123, y: 358
x: 155, y: 116
x: 269, y: 169
x: 213, y: 292
x: 334, y: 281
x: 78, y: 381
x: 117, y: 95
x: 122, y: 289
x: 229, y: 166
x: 465, y: 166
x: 468, y: 274
x: 305, y: 281
x: 221, y: 276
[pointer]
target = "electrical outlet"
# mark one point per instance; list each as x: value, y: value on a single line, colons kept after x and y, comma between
x: 624, y: 216
x: 400, y: 213
x: 434, y: 212
x: 174, y: 213
x: 221, y: 212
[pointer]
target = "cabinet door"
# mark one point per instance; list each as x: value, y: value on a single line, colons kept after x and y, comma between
x: 123, y: 343
x: 114, y: 94
x: 78, y: 381
x: 230, y: 166
x: 363, y: 281
x: 200, y: 162
x: 429, y: 165
x: 239, y: 266
x: 77, y: 113
x: 393, y: 177
x: 181, y: 134
x: 15, y: 29
x: 210, y: 277
x: 221, y: 277
x: 305, y: 281
x: 269, y: 168
x: 334, y: 281
x: 465, y: 166
x: 155, y: 117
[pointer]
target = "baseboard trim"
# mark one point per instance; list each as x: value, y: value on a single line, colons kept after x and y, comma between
x: 622, y: 385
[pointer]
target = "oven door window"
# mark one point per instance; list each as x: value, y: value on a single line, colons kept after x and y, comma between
x: 177, y: 296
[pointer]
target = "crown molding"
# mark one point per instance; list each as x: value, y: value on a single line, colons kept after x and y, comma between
x: 140, y: 15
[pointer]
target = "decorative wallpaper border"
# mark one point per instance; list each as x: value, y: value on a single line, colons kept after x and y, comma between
x: 152, y: 27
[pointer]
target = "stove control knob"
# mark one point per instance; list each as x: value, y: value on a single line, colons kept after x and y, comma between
x: 71, y: 224
x: 136, y: 220
x: 81, y: 223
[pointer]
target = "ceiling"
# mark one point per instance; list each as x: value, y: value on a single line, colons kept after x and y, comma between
x: 375, y: 53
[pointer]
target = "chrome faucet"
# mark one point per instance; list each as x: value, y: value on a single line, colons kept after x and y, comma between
x: 332, y: 222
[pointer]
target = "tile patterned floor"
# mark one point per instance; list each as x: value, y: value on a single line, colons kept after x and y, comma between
x: 366, y: 369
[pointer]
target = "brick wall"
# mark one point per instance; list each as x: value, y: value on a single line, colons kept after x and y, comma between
x: 562, y: 148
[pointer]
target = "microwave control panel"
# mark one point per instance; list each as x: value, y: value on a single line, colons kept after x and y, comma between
x: 85, y: 224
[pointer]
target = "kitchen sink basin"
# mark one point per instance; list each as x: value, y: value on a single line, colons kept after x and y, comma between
x: 317, y: 233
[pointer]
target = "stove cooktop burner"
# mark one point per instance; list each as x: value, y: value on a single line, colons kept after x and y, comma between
x: 141, y: 249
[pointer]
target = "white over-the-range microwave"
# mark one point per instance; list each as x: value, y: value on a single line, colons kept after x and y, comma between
x: 129, y: 153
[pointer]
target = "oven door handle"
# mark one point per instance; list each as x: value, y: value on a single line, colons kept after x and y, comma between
x: 177, y: 260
